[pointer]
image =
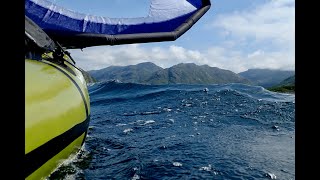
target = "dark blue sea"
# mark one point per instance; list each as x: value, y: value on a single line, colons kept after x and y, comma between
x: 230, y: 131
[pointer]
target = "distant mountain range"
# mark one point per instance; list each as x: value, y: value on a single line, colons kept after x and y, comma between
x: 266, y: 77
x: 183, y: 73
x: 188, y: 73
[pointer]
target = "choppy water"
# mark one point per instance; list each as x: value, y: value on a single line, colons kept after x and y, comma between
x: 233, y: 131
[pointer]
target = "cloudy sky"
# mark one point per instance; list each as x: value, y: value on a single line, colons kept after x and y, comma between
x: 234, y: 34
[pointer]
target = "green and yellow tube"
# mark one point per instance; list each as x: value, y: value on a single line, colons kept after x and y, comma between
x: 57, y: 115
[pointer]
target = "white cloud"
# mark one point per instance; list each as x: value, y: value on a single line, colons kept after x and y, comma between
x: 104, y: 56
x: 271, y: 24
x: 237, y: 61
x: 273, y: 21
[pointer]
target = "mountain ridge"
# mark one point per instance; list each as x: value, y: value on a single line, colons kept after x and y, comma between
x: 188, y: 73
x: 182, y: 73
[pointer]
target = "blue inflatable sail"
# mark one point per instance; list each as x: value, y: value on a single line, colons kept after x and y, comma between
x: 167, y: 20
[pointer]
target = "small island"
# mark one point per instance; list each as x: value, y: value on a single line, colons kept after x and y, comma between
x: 286, y: 86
